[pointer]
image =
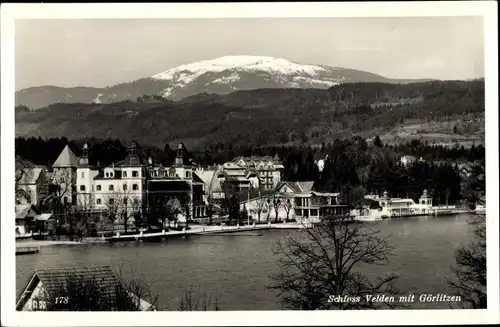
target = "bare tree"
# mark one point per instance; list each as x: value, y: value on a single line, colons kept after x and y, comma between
x: 197, y: 301
x: 23, y: 171
x: 268, y: 207
x: 231, y: 202
x: 470, y: 272
x: 287, y: 204
x: 112, y: 203
x: 210, y: 209
x: 137, y: 212
x: 277, y: 203
x: 170, y: 211
x: 324, y: 262
x: 187, y: 209
x: 260, y: 205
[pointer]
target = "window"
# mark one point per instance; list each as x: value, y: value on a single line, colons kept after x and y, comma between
x: 125, y: 201
x: 106, y: 174
x: 111, y: 188
x: 82, y: 188
x: 83, y: 174
x: 98, y: 187
x: 111, y: 201
x: 135, y: 187
x: 188, y: 174
x: 124, y: 174
x: 34, y: 303
x: 98, y: 201
x: 124, y: 187
x: 135, y: 173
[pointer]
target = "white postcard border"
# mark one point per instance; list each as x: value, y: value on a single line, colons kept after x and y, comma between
x: 9, y: 12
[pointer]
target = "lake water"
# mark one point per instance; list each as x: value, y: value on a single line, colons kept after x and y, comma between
x: 237, y: 268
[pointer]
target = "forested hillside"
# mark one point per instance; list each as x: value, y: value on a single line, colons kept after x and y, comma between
x: 434, y: 111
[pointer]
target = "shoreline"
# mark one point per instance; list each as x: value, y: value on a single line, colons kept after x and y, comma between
x: 40, y: 243
x: 198, y: 230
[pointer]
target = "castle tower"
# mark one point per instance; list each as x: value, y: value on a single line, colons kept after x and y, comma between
x: 133, y: 158
x: 179, y: 160
x: 384, y: 200
x: 426, y: 199
x: 64, y: 169
x: 84, y: 159
x: 84, y: 180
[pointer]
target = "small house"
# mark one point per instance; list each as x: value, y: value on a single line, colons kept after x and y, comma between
x: 25, y: 219
x: 48, y: 290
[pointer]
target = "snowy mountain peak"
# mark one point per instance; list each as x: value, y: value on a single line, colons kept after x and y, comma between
x: 229, y: 73
x: 262, y: 63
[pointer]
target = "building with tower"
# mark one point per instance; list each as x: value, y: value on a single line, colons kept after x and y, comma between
x: 118, y: 189
x: 64, y: 173
x: 399, y: 207
x: 178, y: 185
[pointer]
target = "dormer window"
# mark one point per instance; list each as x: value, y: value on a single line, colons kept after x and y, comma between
x: 135, y: 173
x: 188, y: 174
x: 124, y: 173
x: 111, y: 188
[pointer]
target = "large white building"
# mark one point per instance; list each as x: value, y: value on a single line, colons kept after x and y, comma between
x: 118, y: 187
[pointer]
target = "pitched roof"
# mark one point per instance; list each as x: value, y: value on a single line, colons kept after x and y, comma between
x: 206, y: 175
x: 301, y: 187
x: 44, y: 216
x: 66, y: 159
x: 117, y: 175
x: 53, y: 278
x: 198, y: 179
x: 22, y: 210
x: 29, y: 175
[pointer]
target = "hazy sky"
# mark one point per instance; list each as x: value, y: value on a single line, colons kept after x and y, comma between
x: 90, y: 52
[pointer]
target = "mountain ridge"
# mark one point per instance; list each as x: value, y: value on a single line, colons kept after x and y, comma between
x: 450, y: 109
x: 221, y: 75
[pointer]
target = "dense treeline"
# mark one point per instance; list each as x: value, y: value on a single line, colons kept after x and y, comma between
x: 348, y: 163
x: 269, y: 116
